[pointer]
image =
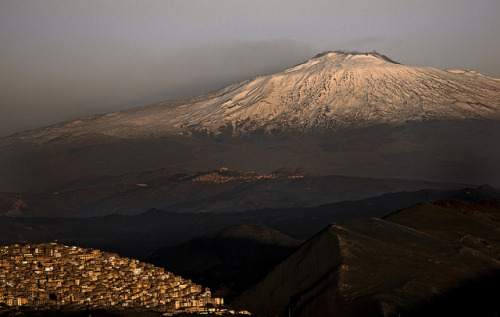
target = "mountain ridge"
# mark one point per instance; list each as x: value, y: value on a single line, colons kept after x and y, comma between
x: 381, y: 267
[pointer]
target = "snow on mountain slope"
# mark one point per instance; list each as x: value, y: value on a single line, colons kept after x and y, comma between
x: 331, y: 91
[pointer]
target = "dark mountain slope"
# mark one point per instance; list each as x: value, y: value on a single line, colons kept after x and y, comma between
x: 459, y: 152
x: 474, y: 225
x: 227, y: 260
x: 378, y: 268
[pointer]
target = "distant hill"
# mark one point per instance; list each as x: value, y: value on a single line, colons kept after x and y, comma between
x: 228, y: 260
x: 219, y: 190
x: 140, y: 235
x: 376, y: 267
x: 476, y: 226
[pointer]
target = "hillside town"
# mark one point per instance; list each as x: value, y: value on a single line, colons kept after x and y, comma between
x: 53, y: 276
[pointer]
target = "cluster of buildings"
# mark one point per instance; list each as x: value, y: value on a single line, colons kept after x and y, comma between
x: 224, y: 175
x: 53, y: 276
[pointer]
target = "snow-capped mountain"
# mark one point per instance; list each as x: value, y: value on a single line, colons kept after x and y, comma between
x: 330, y: 91
x: 355, y: 114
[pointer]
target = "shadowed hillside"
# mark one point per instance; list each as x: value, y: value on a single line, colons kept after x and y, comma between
x: 376, y: 267
x: 139, y: 235
x: 227, y: 260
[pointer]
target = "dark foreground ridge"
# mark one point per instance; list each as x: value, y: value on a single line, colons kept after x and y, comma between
x: 377, y: 267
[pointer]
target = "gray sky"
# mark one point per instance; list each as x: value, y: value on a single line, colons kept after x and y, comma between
x: 61, y: 59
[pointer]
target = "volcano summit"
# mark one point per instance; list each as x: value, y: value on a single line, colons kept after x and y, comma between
x: 333, y: 90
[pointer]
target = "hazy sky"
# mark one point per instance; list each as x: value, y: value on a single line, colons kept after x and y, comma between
x: 60, y: 59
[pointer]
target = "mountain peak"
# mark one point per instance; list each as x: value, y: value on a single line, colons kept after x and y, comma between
x: 333, y: 90
x: 333, y: 61
x: 346, y: 53
x: 337, y: 90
